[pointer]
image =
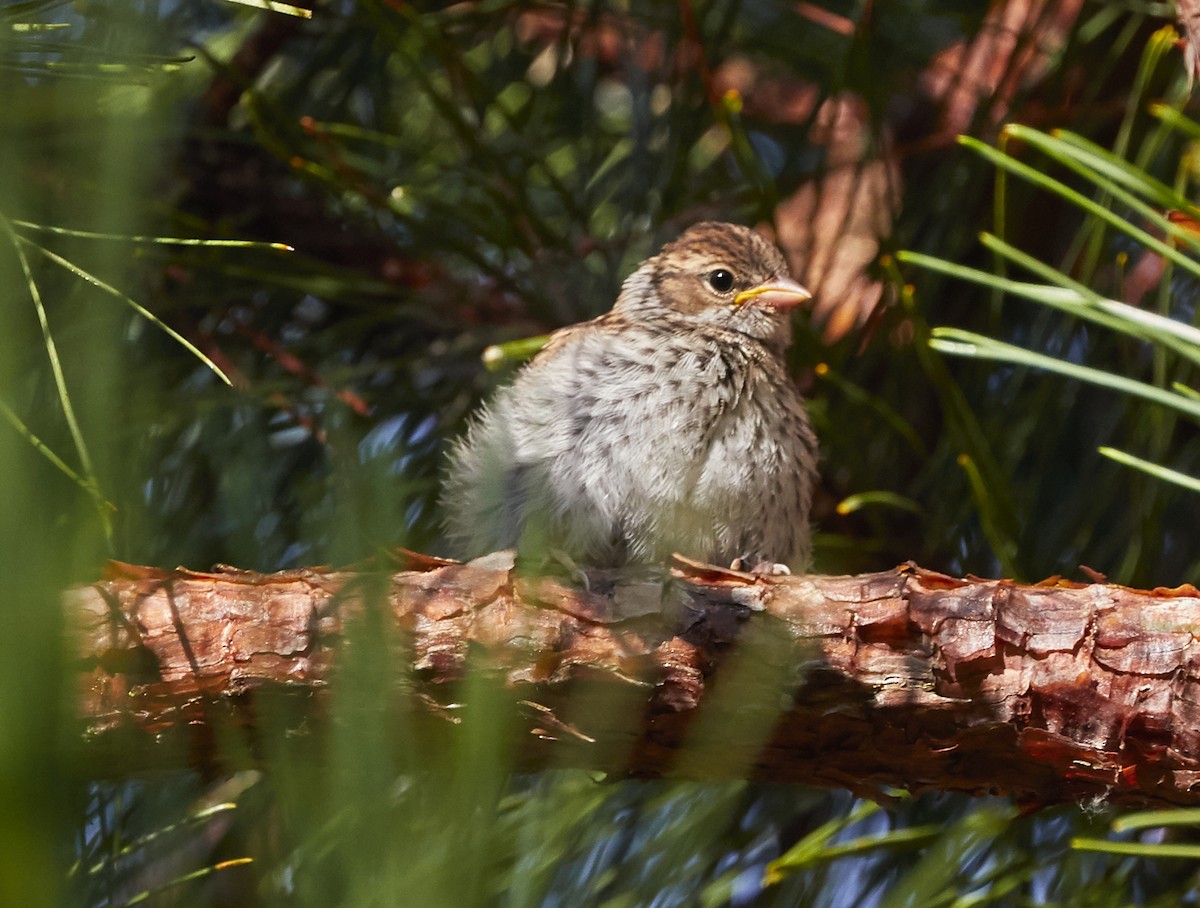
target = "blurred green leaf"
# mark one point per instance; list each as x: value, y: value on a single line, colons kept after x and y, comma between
x: 966, y: 343
x: 1153, y: 469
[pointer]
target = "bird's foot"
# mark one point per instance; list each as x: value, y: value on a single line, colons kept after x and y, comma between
x: 767, y: 568
x: 560, y: 559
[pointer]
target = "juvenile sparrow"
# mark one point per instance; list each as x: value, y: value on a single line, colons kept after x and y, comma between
x: 669, y: 424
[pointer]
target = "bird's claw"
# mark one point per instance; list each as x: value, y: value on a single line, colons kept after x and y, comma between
x: 766, y: 568
x: 562, y: 559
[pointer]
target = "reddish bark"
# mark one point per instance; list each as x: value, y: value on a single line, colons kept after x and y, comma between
x: 906, y: 677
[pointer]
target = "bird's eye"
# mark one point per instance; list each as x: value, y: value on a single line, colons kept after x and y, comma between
x: 721, y: 280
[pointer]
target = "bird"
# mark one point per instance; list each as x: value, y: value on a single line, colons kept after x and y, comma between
x: 668, y: 425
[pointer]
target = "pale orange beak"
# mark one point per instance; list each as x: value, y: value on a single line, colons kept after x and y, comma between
x: 781, y: 293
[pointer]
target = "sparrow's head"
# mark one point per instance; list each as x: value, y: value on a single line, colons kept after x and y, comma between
x: 717, y: 274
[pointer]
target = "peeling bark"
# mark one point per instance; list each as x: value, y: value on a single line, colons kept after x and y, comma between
x: 904, y: 678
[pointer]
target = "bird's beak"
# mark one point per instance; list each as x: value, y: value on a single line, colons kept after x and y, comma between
x: 781, y: 293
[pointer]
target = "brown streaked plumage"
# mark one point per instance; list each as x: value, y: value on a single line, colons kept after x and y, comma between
x: 669, y: 424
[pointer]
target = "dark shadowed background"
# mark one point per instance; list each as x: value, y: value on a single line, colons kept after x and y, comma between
x: 452, y: 177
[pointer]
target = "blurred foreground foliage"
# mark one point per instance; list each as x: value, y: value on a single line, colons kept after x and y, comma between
x: 456, y: 176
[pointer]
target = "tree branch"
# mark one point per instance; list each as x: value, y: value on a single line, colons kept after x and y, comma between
x: 902, y: 678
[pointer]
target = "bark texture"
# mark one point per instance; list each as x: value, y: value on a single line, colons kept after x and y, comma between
x: 902, y: 678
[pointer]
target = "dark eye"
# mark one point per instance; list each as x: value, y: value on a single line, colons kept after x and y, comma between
x: 721, y: 280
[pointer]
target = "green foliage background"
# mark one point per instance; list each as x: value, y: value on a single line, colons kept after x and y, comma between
x: 452, y: 177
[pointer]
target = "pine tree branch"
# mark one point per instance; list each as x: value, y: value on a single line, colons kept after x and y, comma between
x: 903, y: 678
